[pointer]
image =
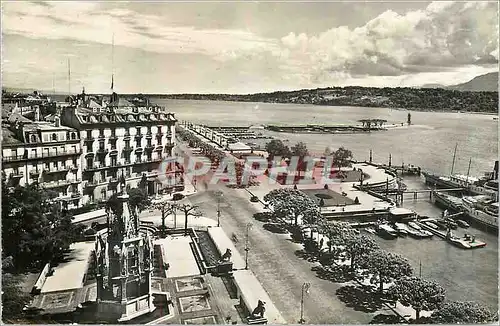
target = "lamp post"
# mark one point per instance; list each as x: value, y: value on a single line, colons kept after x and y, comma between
x: 305, y: 289
x: 247, y: 249
x: 219, y: 197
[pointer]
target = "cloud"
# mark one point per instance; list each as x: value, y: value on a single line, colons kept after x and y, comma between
x: 443, y: 36
x: 87, y: 22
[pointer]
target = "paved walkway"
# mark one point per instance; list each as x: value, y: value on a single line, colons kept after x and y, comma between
x: 70, y: 275
x: 176, y: 251
x: 222, y: 242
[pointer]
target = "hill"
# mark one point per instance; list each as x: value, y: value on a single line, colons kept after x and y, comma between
x: 483, y: 83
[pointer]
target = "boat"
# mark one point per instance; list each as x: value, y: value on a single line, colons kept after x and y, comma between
x: 452, y: 203
x: 466, y: 242
x: 386, y: 232
x: 414, y: 225
x: 451, y: 223
x: 416, y: 234
x: 427, y: 234
x: 462, y: 223
x: 432, y: 225
x: 482, y: 210
x: 485, y: 185
x: 401, y: 229
x: 370, y: 230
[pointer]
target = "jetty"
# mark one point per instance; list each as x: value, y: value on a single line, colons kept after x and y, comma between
x: 466, y: 242
x: 323, y: 129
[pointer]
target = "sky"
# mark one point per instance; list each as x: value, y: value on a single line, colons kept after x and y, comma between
x: 244, y: 47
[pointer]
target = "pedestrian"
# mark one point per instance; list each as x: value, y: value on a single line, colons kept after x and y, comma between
x: 321, y: 243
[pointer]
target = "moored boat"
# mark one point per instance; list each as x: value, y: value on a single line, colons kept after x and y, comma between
x: 463, y: 224
x: 432, y: 225
x: 414, y: 225
x: 386, y: 232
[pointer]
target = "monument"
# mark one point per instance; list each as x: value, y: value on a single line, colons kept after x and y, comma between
x: 124, y: 264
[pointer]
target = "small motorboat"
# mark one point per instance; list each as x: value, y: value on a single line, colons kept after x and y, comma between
x: 427, y: 234
x: 432, y: 225
x: 452, y: 224
x: 401, y: 228
x: 386, y: 232
x: 463, y: 224
x: 415, y: 226
x: 370, y: 230
x: 416, y: 234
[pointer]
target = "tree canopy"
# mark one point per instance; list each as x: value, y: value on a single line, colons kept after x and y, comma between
x: 342, y: 157
x: 34, y: 228
x: 357, y: 245
x: 383, y: 267
x: 276, y: 148
x: 420, y: 294
x: 299, y: 149
x: 457, y: 312
x: 290, y: 203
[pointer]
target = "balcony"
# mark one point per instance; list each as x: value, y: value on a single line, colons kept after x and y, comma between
x: 95, y: 167
x: 70, y: 197
x: 91, y: 183
x: 128, y: 148
x: 149, y: 147
x: 17, y: 174
x: 102, y: 151
x: 55, y: 184
x: 101, y: 137
x: 73, y: 168
x: 17, y: 158
x: 115, y: 179
x: 149, y: 135
x: 113, y: 137
x: 138, y: 136
x: 34, y: 174
x: 57, y: 170
x: 169, y: 144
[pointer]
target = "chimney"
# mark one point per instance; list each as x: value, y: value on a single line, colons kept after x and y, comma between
x: 37, y: 113
x: 57, y: 122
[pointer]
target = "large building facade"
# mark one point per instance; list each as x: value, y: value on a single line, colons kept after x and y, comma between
x: 121, y: 138
x: 45, y: 153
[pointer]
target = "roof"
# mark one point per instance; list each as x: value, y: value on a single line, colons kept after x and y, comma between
x: 401, y: 211
x: 121, y: 103
x: 8, y: 137
x: 94, y: 105
x: 17, y: 117
x: 239, y: 147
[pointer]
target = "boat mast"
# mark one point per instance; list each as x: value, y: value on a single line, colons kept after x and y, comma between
x: 69, y: 76
x: 468, y: 170
x: 454, y: 156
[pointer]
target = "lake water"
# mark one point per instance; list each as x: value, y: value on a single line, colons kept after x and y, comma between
x: 428, y: 143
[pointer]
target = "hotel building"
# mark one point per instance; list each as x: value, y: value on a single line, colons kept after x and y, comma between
x: 123, y: 138
x: 43, y: 152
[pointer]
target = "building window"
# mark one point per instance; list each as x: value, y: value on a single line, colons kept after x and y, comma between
x: 103, y: 193
x: 33, y: 138
x: 73, y: 135
x: 89, y: 134
x: 54, y: 137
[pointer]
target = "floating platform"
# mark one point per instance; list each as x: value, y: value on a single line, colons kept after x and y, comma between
x: 466, y: 242
x: 322, y: 129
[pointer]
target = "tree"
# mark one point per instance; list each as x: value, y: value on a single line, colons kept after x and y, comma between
x: 337, y: 232
x: 300, y: 150
x: 312, y: 217
x: 289, y: 203
x: 276, y: 148
x: 34, y: 228
x: 383, y: 266
x: 418, y: 293
x: 342, y: 157
x: 188, y: 210
x: 166, y: 208
x: 138, y: 198
x: 457, y: 312
x: 356, y: 246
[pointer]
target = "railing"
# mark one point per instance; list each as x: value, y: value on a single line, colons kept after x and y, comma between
x: 113, y: 137
x: 128, y: 148
x: 53, y: 184
x: 58, y: 170
x: 17, y: 174
x: 102, y: 151
x: 25, y: 157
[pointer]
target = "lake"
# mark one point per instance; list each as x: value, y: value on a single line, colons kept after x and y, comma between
x: 429, y: 143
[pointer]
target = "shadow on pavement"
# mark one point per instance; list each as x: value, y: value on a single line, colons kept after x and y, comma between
x: 274, y: 228
x: 385, y: 319
x: 360, y: 298
x: 337, y: 274
x: 262, y: 217
x: 309, y: 256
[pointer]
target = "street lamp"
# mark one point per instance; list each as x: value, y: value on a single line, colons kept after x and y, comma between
x: 305, y: 289
x: 249, y: 226
x: 219, y: 197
